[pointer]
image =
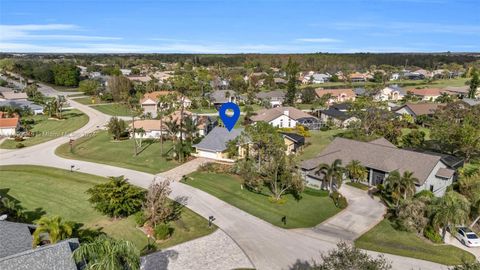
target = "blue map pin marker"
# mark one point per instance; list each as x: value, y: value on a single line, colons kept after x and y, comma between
x: 229, y: 120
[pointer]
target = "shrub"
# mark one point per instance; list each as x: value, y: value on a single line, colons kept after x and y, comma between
x: 20, y: 145
x: 215, y: 168
x: 140, y: 218
x: 163, y: 231
x: 431, y: 234
x: 19, y: 139
x: 339, y: 200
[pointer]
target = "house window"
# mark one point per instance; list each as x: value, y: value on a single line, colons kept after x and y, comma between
x: 289, y: 123
x: 431, y: 188
x: 281, y: 123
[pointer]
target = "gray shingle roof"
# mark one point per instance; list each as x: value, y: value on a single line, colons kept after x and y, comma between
x: 376, y: 156
x: 52, y: 257
x: 276, y: 94
x: 21, y: 104
x: 217, y: 139
x: 219, y: 96
x: 14, y: 238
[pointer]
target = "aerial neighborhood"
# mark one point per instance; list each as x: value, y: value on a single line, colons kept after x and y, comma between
x: 126, y: 159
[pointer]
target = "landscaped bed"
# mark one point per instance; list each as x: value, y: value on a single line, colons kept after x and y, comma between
x: 50, y: 128
x: 313, y: 208
x: 50, y: 191
x: 384, y: 238
x: 101, y: 148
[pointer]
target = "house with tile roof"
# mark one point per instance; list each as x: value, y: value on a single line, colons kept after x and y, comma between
x: 150, y: 101
x: 286, y: 117
x: 9, y: 124
x: 336, y: 95
x: 427, y: 94
x: 381, y: 158
x: 417, y: 109
x: 16, y: 251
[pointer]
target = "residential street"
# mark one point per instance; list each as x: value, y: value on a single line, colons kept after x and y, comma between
x: 267, y: 246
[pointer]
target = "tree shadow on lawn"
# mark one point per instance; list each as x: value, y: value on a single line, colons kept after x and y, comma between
x: 177, y: 207
x: 29, y: 216
x: 86, y: 234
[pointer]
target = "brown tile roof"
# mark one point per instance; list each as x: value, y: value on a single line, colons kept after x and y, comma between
x: 154, y: 95
x: 427, y: 92
x: 268, y: 115
x: 375, y: 156
x: 348, y: 92
x: 421, y: 108
x: 8, y: 122
x: 147, y: 125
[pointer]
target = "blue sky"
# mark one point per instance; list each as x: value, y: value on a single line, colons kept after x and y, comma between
x: 235, y: 26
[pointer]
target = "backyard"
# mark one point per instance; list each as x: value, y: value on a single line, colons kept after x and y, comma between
x: 384, y: 238
x: 49, y: 128
x: 60, y: 192
x: 313, y: 208
x: 317, y: 142
x: 101, y: 148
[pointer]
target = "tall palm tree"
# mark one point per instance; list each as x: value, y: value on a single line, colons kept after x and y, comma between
x: 108, y: 253
x: 356, y: 171
x: 332, y: 173
x: 394, y: 186
x: 56, y: 228
x: 450, y: 210
x: 408, y: 184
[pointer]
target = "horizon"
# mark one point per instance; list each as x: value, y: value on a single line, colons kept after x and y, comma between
x: 239, y: 27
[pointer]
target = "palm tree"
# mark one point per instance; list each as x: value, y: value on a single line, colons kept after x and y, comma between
x: 356, y: 171
x: 450, y: 210
x: 56, y: 228
x: 190, y: 128
x: 108, y: 253
x: 408, y: 184
x: 394, y: 186
x: 333, y: 172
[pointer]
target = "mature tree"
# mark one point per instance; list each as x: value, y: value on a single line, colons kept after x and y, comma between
x: 116, y: 198
x: 56, y: 228
x: 450, y: 210
x: 474, y: 84
x: 247, y: 169
x: 455, y: 127
x: 412, y: 214
x: 469, y: 186
x: 119, y: 87
x: 444, y: 98
x: 291, y: 69
x: 108, y: 253
x: 66, y: 74
x: 281, y: 174
x: 356, y: 171
x: 116, y: 127
x: 414, y: 139
x: 332, y: 173
x: 164, y: 107
x: 157, y: 207
x: 308, y: 95
x: 401, y: 186
x: 89, y: 87
x: 347, y: 257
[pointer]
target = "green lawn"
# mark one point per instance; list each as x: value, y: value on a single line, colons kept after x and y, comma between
x: 113, y: 109
x: 204, y: 110
x: 441, y: 83
x: 48, y: 129
x: 404, y: 83
x: 318, y: 141
x: 384, y: 238
x: 88, y: 100
x: 307, y: 212
x: 101, y: 148
x: 50, y: 191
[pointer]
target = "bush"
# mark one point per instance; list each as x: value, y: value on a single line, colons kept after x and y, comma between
x: 339, y: 200
x: 215, y: 168
x: 163, y: 231
x: 140, y: 218
x: 431, y: 234
x: 19, y: 139
x: 20, y: 145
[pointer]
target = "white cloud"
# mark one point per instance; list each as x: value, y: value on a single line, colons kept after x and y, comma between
x: 407, y: 27
x: 30, y: 32
x: 318, y: 40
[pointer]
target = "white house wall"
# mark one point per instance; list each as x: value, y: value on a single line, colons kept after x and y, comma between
x: 439, y: 185
x: 277, y: 122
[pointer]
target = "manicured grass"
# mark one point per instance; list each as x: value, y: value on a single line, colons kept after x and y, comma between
x: 309, y: 211
x: 50, y: 191
x: 48, y: 129
x: 441, y: 83
x: 204, y: 110
x: 384, y: 238
x: 113, y: 109
x: 358, y: 185
x: 101, y: 148
x: 318, y: 141
x: 88, y: 100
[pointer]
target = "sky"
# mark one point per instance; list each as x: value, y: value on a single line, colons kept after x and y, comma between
x: 239, y: 26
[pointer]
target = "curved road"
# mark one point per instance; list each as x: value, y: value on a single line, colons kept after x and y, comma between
x: 267, y: 246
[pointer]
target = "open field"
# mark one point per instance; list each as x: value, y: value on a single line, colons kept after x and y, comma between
x: 50, y: 191
x: 310, y: 210
x: 114, y: 109
x: 384, y: 238
x: 101, y: 148
x: 49, y: 129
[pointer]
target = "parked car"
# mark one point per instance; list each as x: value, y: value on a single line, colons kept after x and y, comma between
x: 467, y: 237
